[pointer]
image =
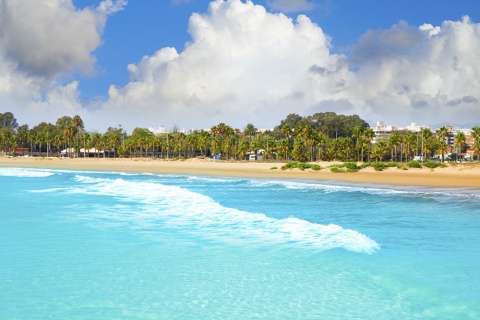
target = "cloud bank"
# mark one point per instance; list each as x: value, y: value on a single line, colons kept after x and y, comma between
x: 41, y: 44
x: 242, y: 65
x: 247, y: 65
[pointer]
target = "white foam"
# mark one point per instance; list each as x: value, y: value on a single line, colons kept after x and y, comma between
x: 424, y: 192
x: 25, y: 173
x: 197, y: 214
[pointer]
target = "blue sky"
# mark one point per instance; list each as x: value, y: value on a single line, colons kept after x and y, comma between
x: 239, y: 62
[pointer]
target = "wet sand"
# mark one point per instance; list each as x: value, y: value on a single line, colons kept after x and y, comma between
x: 453, y: 176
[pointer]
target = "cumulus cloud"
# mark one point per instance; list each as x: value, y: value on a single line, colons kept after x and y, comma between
x: 41, y: 42
x: 243, y: 64
x: 108, y: 7
x: 423, y: 74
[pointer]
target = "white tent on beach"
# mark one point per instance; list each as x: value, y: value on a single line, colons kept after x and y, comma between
x: 88, y: 153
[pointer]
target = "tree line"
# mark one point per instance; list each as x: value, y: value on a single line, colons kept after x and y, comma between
x: 319, y: 137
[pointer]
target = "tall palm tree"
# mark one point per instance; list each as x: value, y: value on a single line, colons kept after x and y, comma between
x: 442, y: 133
x: 308, y: 134
x: 426, y: 134
x: 367, y: 137
x: 393, y: 142
x: 357, y: 133
x: 57, y: 141
x: 475, y: 133
x: 95, y: 140
x: 85, y: 137
x: 22, y: 137
x: 69, y: 133
x: 409, y: 141
x: 32, y: 137
x: 459, y: 142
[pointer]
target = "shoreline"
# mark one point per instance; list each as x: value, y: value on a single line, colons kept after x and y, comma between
x: 457, y: 176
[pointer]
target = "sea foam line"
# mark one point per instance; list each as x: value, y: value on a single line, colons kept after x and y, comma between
x: 25, y: 173
x: 200, y: 215
x: 423, y: 192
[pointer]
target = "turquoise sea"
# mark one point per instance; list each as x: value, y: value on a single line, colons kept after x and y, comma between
x: 103, y: 245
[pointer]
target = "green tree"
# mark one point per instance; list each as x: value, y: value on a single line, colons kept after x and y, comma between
x: 460, y: 141
x: 8, y: 120
x: 393, y: 142
x: 443, y: 133
x: 475, y: 133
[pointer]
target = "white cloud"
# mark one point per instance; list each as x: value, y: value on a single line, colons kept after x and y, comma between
x: 110, y: 7
x: 426, y: 74
x: 243, y: 64
x: 41, y: 42
x: 49, y: 38
x: 247, y: 65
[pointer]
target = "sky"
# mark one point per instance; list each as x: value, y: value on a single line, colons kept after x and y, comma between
x: 195, y: 63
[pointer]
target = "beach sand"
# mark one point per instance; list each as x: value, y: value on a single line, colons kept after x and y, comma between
x: 454, y: 176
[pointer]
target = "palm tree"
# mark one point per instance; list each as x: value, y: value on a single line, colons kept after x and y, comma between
x: 22, y: 136
x: 460, y: 141
x: 85, y: 136
x: 426, y: 134
x: 357, y: 133
x: 475, y: 133
x: 409, y: 141
x: 367, y: 137
x: 69, y: 133
x: 95, y: 140
x: 32, y: 136
x: 379, y: 150
x: 443, y: 148
x: 77, y: 122
x: 57, y: 141
x: 442, y: 133
x: 393, y: 141
x: 308, y: 134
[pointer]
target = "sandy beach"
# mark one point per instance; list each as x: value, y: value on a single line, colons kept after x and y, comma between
x: 453, y: 176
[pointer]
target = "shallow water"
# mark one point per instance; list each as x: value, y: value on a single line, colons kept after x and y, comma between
x: 98, y: 245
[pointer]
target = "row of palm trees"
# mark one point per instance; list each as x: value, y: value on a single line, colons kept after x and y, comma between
x: 227, y: 143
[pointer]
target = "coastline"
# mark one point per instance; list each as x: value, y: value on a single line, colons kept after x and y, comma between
x: 457, y: 176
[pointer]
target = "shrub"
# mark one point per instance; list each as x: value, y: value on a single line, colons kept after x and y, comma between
x: 365, y: 165
x: 378, y: 166
x: 414, y: 164
x: 392, y: 164
x: 301, y: 165
x: 352, y: 166
x: 433, y: 165
x: 337, y: 169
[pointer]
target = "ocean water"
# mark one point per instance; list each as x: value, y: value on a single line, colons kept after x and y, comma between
x: 100, y: 245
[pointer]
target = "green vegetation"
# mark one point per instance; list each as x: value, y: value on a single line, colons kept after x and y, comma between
x: 414, y: 164
x: 344, y: 167
x: 301, y: 165
x: 273, y: 168
x: 433, y: 165
x: 323, y: 136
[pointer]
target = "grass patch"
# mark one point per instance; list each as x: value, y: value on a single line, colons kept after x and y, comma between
x: 301, y: 165
x: 273, y: 168
x: 378, y: 166
x: 414, y: 164
x: 344, y: 167
x: 433, y: 165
